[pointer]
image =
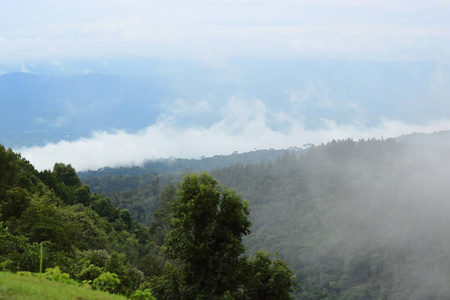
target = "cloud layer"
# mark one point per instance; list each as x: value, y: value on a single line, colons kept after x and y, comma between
x: 243, y: 125
x: 213, y: 30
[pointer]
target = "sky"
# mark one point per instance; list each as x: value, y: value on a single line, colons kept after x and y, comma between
x: 219, y: 33
x: 215, y: 30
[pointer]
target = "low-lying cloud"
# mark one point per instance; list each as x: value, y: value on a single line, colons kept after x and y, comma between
x: 242, y: 125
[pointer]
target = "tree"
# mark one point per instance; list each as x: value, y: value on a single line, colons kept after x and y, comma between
x: 161, y: 217
x: 269, y: 279
x: 207, y: 228
x: 83, y: 195
x: 66, y: 174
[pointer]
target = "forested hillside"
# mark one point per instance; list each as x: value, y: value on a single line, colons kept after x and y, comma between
x: 177, y: 165
x: 51, y: 221
x: 81, y: 233
x: 139, y: 188
x: 355, y: 220
x: 366, y: 220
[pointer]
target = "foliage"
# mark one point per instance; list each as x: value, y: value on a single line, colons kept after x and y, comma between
x: 162, y: 215
x: 205, y: 240
x: 142, y: 295
x: 106, y: 282
x: 207, y: 229
x: 55, y: 274
x: 84, y: 234
x: 126, y: 176
x: 354, y: 219
x: 169, y: 285
x: 16, y: 287
x: 66, y: 174
x: 90, y: 273
x: 269, y: 279
x: 139, y: 188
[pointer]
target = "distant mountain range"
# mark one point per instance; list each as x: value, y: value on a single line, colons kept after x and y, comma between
x: 38, y: 109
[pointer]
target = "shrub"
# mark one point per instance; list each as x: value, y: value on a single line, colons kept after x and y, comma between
x: 142, y: 295
x: 106, y: 282
x: 55, y: 274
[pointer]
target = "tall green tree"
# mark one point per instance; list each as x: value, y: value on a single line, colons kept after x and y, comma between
x: 66, y: 174
x: 208, y: 225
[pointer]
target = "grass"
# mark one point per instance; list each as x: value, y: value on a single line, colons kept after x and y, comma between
x: 16, y: 287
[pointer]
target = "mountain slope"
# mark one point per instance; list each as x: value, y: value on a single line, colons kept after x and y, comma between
x: 364, y: 220
x: 16, y: 287
x: 50, y: 219
x: 355, y: 220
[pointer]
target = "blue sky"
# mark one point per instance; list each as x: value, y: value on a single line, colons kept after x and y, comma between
x: 273, y: 74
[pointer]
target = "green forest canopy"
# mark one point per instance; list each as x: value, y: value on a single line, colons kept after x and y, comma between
x: 355, y: 220
x: 98, y: 244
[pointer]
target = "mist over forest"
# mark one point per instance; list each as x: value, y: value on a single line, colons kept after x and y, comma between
x: 364, y: 219
x: 361, y: 219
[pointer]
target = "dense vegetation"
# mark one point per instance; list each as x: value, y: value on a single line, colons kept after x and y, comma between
x: 19, y: 287
x: 174, y: 165
x: 205, y: 241
x: 51, y: 221
x: 139, y: 188
x: 355, y: 220
x: 80, y: 232
x: 364, y: 220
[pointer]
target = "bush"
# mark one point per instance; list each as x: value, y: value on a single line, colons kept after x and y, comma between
x: 55, y: 274
x: 106, y: 282
x: 142, y: 295
x: 90, y: 273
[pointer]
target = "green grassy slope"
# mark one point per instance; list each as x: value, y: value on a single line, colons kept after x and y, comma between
x: 13, y: 286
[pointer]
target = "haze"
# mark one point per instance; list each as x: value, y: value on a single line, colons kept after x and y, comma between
x: 227, y: 76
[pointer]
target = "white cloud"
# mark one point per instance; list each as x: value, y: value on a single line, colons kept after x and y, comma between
x: 311, y: 93
x: 210, y: 30
x: 243, y: 126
